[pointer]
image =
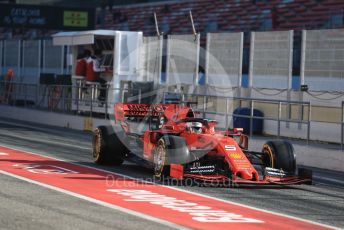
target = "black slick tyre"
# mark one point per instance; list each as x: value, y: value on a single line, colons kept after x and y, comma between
x: 280, y: 155
x: 107, y: 148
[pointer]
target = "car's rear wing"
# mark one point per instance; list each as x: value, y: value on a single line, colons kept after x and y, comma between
x: 169, y: 111
x: 123, y: 110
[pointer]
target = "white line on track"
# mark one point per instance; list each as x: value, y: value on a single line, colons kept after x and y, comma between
x: 143, y: 216
x: 181, y: 190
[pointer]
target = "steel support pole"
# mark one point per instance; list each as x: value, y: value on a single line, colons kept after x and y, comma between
x: 342, y: 127
x: 279, y: 119
x: 309, y: 122
x: 226, y: 113
x: 251, y: 117
x: 204, y: 105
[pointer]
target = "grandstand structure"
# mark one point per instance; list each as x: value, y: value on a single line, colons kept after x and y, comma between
x: 225, y: 15
x: 210, y: 16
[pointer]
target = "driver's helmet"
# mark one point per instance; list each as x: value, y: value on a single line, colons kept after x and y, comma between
x: 194, y: 127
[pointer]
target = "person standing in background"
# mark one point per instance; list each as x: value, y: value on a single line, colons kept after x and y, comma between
x: 8, y: 86
x: 81, y: 63
x: 93, y: 71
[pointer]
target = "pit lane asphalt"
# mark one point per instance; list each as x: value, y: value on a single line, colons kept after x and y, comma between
x: 24, y: 205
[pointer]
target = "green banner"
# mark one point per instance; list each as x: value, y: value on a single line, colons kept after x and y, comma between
x: 75, y: 18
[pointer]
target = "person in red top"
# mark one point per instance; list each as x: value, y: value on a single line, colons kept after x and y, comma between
x: 81, y: 63
x: 93, y: 71
x: 8, y: 85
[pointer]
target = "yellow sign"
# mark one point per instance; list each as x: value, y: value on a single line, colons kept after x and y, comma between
x: 235, y: 155
x: 75, y: 18
x: 88, y: 124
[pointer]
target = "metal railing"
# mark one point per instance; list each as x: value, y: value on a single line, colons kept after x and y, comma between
x: 252, y: 101
x: 57, y: 98
x: 65, y: 99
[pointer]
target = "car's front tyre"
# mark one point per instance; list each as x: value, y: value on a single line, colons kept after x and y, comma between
x: 280, y: 155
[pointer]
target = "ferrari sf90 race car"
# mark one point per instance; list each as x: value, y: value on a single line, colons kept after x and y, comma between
x: 175, y: 143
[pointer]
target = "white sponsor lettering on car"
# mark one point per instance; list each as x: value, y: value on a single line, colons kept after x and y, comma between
x: 230, y: 147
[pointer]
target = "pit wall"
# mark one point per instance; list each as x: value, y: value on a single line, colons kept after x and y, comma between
x: 51, y: 118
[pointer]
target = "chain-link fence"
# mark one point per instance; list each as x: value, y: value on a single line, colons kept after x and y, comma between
x: 182, y: 59
x: 322, y: 62
x: 2, y: 71
x: 12, y: 57
x: 224, y: 59
x: 152, y: 58
x: 53, y: 58
x: 31, y: 61
x: 271, y: 59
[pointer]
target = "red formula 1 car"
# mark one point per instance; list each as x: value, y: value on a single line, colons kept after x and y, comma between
x: 172, y: 140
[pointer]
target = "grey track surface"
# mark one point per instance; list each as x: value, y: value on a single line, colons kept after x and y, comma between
x: 43, y: 208
x: 28, y: 206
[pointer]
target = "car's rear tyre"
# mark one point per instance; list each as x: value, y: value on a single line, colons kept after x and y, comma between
x: 161, y: 170
x: 280, y: 155
x: 107, y: 148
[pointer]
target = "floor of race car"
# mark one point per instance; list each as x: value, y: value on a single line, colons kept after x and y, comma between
x: 24, y: 205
